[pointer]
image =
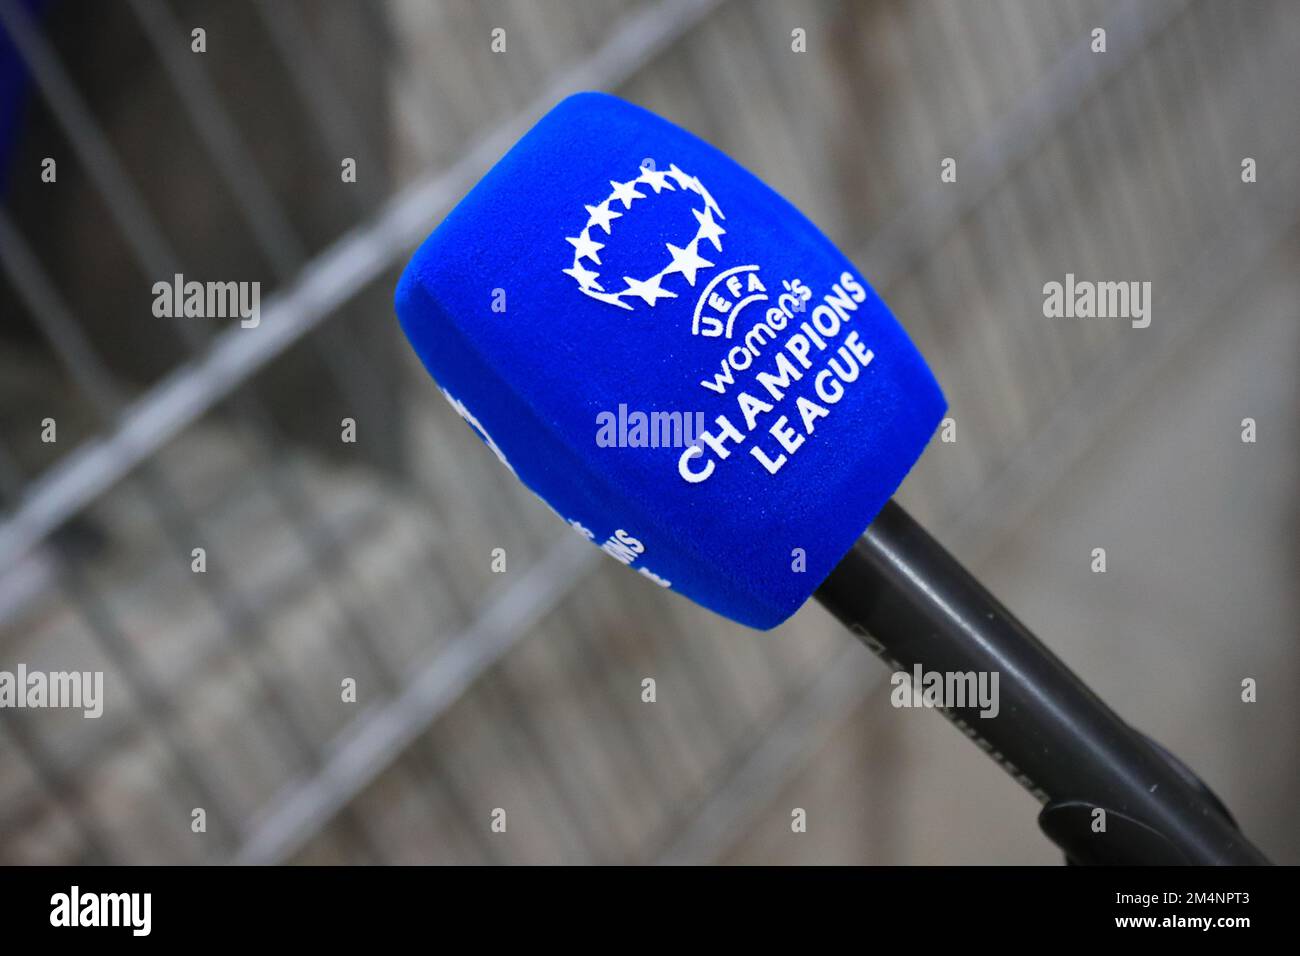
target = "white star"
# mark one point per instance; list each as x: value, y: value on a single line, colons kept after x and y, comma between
x: 626, y: 192
x: 585, y: 246
x: 683, y: 180
x: 709, y: 229
x: 609, y: 298
x: 601, y: 216
x: 648, y: 290
x: 586, y: 278
x: 654, y: 179
x: 708, y: 198
x: 686, y: 261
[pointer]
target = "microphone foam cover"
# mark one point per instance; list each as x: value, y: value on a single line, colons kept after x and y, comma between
x: 670, y: 355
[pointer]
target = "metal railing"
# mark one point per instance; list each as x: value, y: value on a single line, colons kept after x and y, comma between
x: 520, y: 690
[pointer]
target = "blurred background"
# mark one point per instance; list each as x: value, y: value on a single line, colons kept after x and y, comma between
x: 373, y: 560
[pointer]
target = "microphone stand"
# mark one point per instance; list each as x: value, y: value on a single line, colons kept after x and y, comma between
x: 1110, y: 796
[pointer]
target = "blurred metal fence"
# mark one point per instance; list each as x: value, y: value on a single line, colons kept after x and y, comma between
x: 328, y: 561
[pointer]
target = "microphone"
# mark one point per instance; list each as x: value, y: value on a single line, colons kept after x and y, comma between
x: 614, y: 261
x: 694, y: 378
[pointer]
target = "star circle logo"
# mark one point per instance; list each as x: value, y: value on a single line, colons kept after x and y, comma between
x: 685, y: 259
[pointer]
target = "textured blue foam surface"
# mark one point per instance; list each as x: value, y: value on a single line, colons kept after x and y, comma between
x: 616, y: 291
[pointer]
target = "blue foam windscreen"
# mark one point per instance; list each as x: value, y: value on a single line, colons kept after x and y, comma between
x: 670, y: 355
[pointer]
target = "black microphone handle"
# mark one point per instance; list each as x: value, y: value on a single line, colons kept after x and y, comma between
x: 911, y: 602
